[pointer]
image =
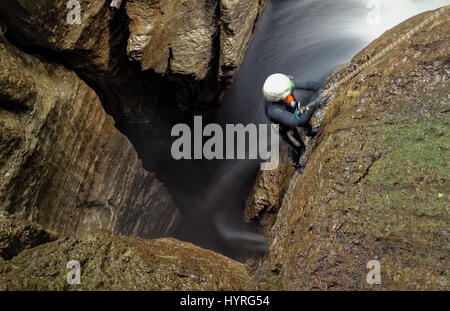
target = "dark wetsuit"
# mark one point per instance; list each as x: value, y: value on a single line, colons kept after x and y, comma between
x: 289, y: 118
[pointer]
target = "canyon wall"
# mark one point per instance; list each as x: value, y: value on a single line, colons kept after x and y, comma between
x: 66, y: 169
x: 194, y: 47
x: 374, y: 188
x: 376, y: 183
x: 63, y: 163
x: 145, y: 64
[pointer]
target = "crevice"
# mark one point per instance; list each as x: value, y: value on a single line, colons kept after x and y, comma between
x: 367, y: 170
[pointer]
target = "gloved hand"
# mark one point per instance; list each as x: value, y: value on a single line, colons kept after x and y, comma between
x: 319, y: 104
x: 315, y: 106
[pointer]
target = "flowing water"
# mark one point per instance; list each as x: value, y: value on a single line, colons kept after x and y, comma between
x: 306, y: 39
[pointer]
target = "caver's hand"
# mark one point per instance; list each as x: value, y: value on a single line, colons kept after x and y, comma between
x: 323, y: 94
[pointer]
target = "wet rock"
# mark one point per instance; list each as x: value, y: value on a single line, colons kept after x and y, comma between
x: 194, y: 47
x: 90, y: 46
x: 167, y: 36
x: 63, y: 164
x: 186, y: 47
x: 152, y: 63
x: 238, y: 23
x: 111, y: 262
x: 269, y: 190
x: 375, y: 186
x: 185, y: 37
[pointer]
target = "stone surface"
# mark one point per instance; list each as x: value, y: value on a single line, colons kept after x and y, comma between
x: 376, y: 183
x: 18, y: 235
x: 63, y: 164
x: 238, y: 22
x: 192, y: 37
x: 190, y: 45
x: 173, y: 36
x: 111, y: 262
x: 269, y: 190
x: 93, y: 46
x: 152, y: 63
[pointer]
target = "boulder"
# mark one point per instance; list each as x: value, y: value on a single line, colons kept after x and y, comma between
x: 111, y: 262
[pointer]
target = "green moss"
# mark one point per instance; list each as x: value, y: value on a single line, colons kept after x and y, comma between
x: 418, y: 152
x: 127, y: 253
x: 414, y: 170
x: 400, y: 206
x: 405, y: 191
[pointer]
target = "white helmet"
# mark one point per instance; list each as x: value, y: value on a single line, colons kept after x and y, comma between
x: 277, y: 87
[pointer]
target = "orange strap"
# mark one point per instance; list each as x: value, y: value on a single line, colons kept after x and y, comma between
x: 289, y: 99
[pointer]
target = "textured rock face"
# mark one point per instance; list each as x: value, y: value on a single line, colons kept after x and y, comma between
x: 187, y: 37
x: 111, y: 262
x: 92, y: 46
x: 376, y: 184
x: 197, y: 46
x: 190, y: 45
x: 269, y: 191
x: 62, y: 162
x: 18, y: 235
x: 238, y: 20
x: 64, y: 165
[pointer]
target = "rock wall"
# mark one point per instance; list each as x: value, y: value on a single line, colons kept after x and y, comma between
x: 133, y: 59
x: 18, y: 235
x: 65, y: 169
x: 193, y: 47
x: 191, y: 37
x: 268, y: 192
x: 63, y: 164
x: 91, y: 47
x: 376, y: 183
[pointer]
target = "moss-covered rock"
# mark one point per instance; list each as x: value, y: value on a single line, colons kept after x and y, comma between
x: 111, y: 262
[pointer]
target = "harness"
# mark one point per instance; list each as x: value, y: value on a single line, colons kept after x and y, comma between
x: 288, y: 101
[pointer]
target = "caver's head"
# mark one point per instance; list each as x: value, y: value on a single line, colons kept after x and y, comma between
x: 278, y: 88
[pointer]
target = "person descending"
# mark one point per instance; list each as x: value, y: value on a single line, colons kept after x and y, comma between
x: 283, y: 109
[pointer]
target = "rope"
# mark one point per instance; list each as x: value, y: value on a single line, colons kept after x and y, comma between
x: 348, y: 95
